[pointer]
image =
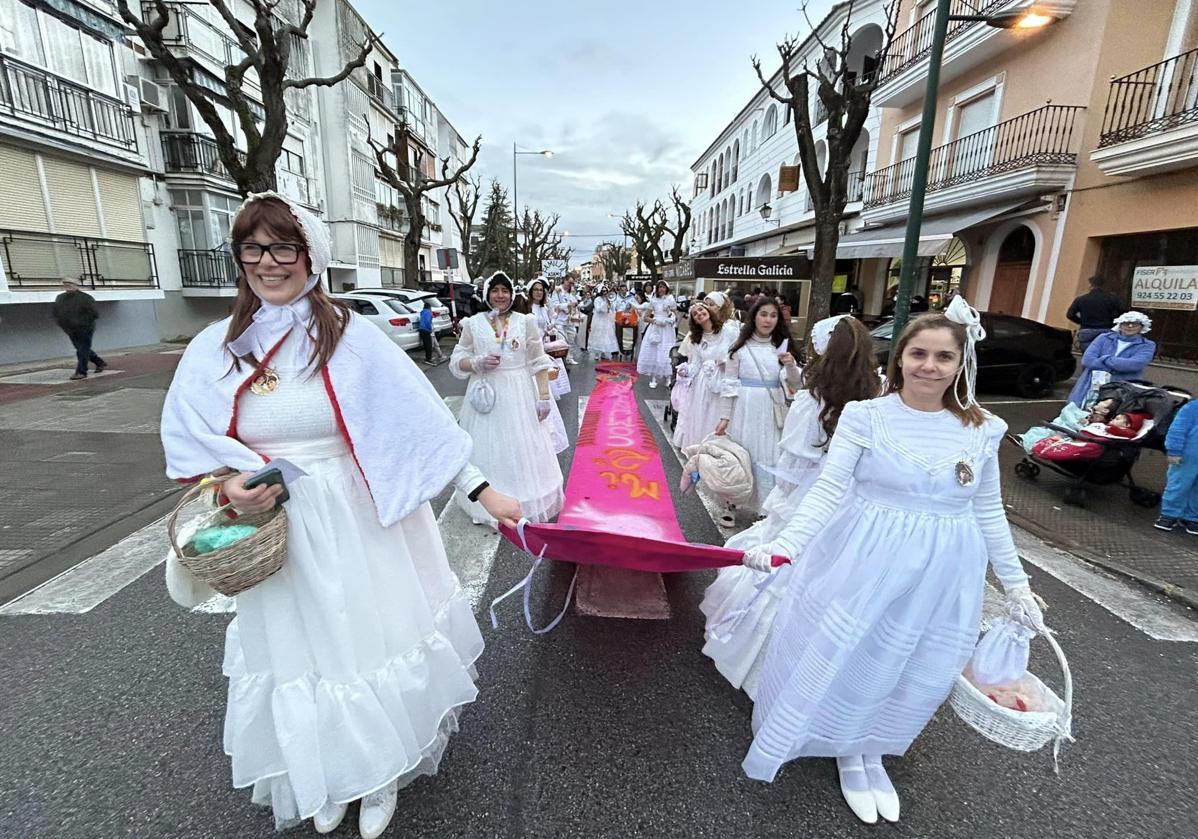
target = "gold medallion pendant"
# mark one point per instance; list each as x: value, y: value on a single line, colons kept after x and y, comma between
x: 266, y: 382
x: 965, y: 475
x: 515, y: 344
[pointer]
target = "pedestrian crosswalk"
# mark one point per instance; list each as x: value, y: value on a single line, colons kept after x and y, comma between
x: 472, y: 550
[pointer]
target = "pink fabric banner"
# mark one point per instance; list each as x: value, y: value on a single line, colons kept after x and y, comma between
x: 618, y: 510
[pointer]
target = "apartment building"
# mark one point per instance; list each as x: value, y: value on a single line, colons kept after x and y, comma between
x: 743, y: 205
x: 77, y: 187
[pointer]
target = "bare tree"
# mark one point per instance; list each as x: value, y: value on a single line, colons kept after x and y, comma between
x: 539, y: 239
x: 682, y: 225
x: 845, y: 96
x: 407, y: 175
x: 463, y: 207
x: 266, y: 48
x: 616, y: 260
x: 646, y: 231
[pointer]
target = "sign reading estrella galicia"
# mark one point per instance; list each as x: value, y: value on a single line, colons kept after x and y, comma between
x: 754, y: 268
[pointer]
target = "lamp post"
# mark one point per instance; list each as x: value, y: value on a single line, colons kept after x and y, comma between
x: 1027, y: 17
x: 516, y: 209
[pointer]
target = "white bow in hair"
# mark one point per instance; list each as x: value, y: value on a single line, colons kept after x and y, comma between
x: 271, y: 323
x: 821, y: 333
x: 959, y: 311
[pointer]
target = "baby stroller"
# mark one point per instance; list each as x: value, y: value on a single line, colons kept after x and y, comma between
x: 1113, y: 465
x: 670, y: 416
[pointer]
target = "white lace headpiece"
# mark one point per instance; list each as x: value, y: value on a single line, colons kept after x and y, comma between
x: 503, y: 279
x: 821, y: 333
x: 1133, y: 317
x: 959, y: 311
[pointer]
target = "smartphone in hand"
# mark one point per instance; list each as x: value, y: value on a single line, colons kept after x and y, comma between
x: 270, y: 477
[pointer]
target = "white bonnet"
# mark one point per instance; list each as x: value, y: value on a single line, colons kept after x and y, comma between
x: 1134, y: 317
x: 821, y: 333
x: 316, y: 234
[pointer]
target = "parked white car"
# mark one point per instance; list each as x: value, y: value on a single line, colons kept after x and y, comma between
x: 414, y: 299
x: 390, y: 314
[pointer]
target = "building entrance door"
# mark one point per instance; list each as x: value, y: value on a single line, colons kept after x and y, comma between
x: 1012, y: 272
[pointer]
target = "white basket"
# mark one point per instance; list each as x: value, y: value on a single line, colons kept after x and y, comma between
x: 1025, y: 731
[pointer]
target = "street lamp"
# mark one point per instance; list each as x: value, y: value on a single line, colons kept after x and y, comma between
x: 1035, y: 16
x: 516, y: 208
x: 767, y: 211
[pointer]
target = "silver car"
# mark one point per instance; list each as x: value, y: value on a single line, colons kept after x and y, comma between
x: 388, y: 313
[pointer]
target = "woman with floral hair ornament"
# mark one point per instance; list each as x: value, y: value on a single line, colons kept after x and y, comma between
x: 659, y: 335
x: 507, y: 404
x: 883, y: 609
x: 842, y: 369
x: 347, y: 667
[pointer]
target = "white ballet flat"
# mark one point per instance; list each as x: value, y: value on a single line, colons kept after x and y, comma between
x: 862, y: 804
x: 887, y: 804
x: 377, y: 810
x: 653, y: 383
x: 329, y: 816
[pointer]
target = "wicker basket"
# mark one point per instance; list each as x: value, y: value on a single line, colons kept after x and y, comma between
x: 557, y: 348
x: 1024, y: 731
x: 245, y: 563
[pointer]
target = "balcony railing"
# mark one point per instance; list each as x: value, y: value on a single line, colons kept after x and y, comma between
x: 35, y: 96
x: 187, y: 30
x: 207, y: 269
x: 186, y: 151
x: 391, y: 217
x: 1040, y: 137
x: 1154, y: 99
x: 379, y: 90
x: 34, y: 260
x: 912, y: 45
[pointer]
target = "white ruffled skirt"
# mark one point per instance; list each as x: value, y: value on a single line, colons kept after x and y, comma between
x: 346, y: 668
x: 514, y: 451
x: 700, y: 412
x: 603, y: 334
x: 654, y: 357
x: 752, y: 425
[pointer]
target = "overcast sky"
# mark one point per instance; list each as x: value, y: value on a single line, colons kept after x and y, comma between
x: 627, y: 93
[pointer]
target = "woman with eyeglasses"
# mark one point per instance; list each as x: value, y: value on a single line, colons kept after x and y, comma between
x: 347, y: 667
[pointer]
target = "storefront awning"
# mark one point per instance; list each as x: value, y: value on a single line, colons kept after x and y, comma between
x: 935, y: 232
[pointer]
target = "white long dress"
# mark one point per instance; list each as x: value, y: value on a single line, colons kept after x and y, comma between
x: 654, y: 359
x: 559, y: 386
x: 755, y: 380
x: 603, y: 328
x: 564, y: 307
x: 739, y: 651
x: 348, y: 666
x: 883, y: 611
x: 513, y: 449
x: 642, y: 323
x: 701, y: 404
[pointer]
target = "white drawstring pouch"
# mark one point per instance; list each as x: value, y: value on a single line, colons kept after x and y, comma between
x: 481, y: 395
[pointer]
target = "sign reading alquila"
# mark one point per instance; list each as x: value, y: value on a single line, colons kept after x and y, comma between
x: 1165, y: 287
x: 754, y: 268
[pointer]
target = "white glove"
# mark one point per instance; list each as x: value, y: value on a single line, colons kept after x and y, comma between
x: 484, y: 363
x: 543, y: 406
x: 1029, y: 612
x: 760, y: 558
x: 684, y: 371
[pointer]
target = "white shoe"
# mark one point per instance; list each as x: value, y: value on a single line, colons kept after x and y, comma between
x: 854, y: 786
x: 653, y: 383
x: 328, y: 817
x: 885, y: 797
x: 571, y: 362
x: 377, y: 810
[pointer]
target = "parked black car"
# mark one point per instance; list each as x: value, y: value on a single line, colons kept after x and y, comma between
x: 465, y: 295
x: 1017, y: 354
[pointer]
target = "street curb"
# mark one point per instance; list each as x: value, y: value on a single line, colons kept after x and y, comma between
x: 1170, y: 590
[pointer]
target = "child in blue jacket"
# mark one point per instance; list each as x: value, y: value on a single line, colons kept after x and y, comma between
x: 1179, y: 505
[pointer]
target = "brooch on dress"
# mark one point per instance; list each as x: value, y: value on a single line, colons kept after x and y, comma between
x: 515, y: 344
x: 266, y: 382
x: 964, y: 471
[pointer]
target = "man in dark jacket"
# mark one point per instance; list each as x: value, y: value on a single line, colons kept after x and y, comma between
x: 75, y: 313
x: 1095, y: 312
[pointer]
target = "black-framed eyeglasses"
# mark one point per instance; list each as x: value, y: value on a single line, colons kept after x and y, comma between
x: 283, y: 253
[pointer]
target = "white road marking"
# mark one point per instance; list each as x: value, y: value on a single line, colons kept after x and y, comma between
x: 85, y: 586
x: 714, y: 506
x: 1125, y: 600
x: 1026, y: 401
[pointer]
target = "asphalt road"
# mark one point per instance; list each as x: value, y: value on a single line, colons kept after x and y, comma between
x: 111, y: 727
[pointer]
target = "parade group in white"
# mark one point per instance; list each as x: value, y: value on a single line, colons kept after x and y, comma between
x: 348, y: 667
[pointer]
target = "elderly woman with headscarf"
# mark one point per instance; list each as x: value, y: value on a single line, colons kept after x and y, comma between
x: 347, y: 668
x: 1117, y: 355
x: 507, y: 403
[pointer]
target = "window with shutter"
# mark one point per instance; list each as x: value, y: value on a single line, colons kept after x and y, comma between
x: 72, y: 197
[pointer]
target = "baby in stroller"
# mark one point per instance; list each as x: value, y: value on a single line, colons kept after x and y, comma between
x: 1126, y: 426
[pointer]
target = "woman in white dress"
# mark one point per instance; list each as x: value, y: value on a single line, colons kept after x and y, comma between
x: 642, y: 307
x: 704, y: 373
x: 602, y: 342
x: 347, y: 668
x: 566, y: 317
x: 759, y: 366
x: 507, y: 403
x: 654, y: 360
x: 842, y: 369
x: 883, y: 611
x: 559, y: 385
x: 720, y: 304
